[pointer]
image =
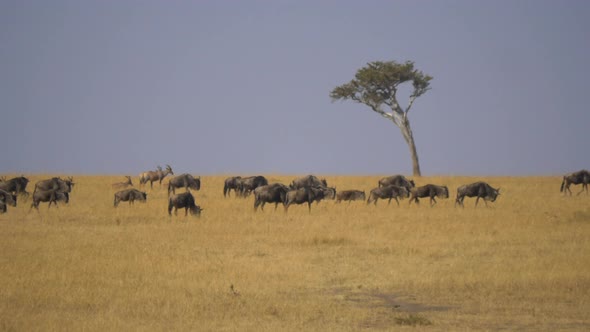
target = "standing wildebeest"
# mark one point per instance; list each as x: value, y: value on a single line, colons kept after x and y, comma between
x: 387, y: 192
x: 229, y: 184
x: 51, y: 196
x: 429, y: 190
x: 17, y: 185
x: 123, y: 185
x: 271, y: 193
x: 153, y: 176
x: 246, y: 185
x: 479, y: 189
x: 186, y: 201
x: 129, y: 195
x: 578, y: 177
x: 308, y: 181
x: 185, y: 181
x: 55, y: 184
x: 397, y: 180
x: 350, y: 195
x: 304, y: 195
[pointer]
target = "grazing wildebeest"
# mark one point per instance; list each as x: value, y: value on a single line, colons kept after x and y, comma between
x: 185, y: 181
x: 17, y: 185
x: 230, y: 184
x: 7, y: 197
x: 271, y: 193
x: 429, y: 190
x: 350, y: 195
x: 308, y: 181
x: 51, y: 196
x: 304, y: 195
x: 579, y: 177
x: 55, y: 184
x: 186, y: 201
x: 123, y: 185
x: 153, y: 176
x: 129, y: 195
x: 387, y: 192
x: 397, y: 180
x: 479, y: 189
x: 246, y: 185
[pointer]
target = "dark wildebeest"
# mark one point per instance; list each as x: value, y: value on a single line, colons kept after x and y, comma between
x: 55, y: 184
x: 387, y: 192
x: 231, y: 183
x: 129, y: 195
x: 153, y: 176
x: 429, y: 190
x: 308, y: 181
x: 579, y: 177
x: 185, y: 181
x: 51, y: 196
x: 397, y: 180
x: 350, y: 195
x: 271, y: 193
x: 186, y: 201
x: 479, y: 189
x: 7, y: 197
x: 17, y: 185
x: 308, y: 195
x: 123, y: 185
x: 246, y: 185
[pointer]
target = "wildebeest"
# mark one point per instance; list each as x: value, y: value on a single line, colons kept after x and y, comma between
x: 123, y: 185
x: 387, y: 192
x: 129, y: 195
x: 308, y: 181
x: 230, y: 184
x: 579, y: 177
x: 271, y: 193
x: 51, y: 196
x: 350, y: 195
x: 246, y: 185
x: 304, y: 195
x: 185, y: 181
x: 429, y: 190
x: 478, y: 189
x: 7, y: 198
x: 186, y: 201
x: 55, y: 184
x: 397, y: 180
x: 153, y: 176
x: 17, y: 185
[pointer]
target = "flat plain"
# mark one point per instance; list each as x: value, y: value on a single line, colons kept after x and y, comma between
x: 522, y: 263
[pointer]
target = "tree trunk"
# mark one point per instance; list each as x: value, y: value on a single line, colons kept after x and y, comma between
x: 409, y: 137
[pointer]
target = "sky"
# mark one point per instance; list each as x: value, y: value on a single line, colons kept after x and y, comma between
x: 242, y: 87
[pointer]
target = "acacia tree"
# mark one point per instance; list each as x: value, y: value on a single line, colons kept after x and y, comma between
x: 377, y: 84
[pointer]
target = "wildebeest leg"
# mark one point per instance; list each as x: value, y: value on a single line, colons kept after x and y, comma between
x: 476, y: 200
x: 583, y: 187
x: 432, y: 201
x: 389, y: 201
x: 396, y: 201
x: 309, y: 205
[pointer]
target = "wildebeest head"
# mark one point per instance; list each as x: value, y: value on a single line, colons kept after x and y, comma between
x: 492, y: 194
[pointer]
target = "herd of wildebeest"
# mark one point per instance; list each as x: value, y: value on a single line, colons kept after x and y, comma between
x: 307, y: 189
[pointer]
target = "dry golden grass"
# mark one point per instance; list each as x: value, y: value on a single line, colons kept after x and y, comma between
x: 521, y: 264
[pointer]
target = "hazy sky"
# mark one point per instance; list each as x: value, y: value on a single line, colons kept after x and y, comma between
x: 242, y: 87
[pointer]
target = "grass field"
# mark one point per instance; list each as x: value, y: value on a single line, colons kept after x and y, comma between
x: 521, y: 264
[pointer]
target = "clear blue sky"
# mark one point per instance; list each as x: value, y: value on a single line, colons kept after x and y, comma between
x: 242, y: 87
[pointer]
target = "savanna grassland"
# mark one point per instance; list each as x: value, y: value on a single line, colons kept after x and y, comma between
x: 523, y: 263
